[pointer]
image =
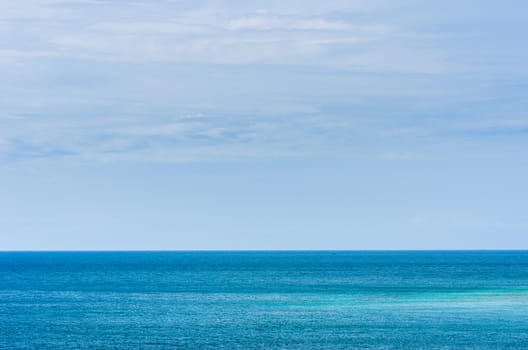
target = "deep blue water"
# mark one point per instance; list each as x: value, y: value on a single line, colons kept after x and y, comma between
x: 264, y: 300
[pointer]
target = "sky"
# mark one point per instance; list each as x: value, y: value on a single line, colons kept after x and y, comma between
x: 278, y: 124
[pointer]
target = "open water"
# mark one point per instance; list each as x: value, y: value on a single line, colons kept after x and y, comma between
x: 264, y: 300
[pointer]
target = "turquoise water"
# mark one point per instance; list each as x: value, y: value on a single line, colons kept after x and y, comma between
x: 264, y: 300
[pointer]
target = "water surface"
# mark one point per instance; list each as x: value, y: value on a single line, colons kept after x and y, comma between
x: 264, y: 300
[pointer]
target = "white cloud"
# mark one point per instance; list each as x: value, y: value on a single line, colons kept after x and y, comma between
x: 33, y: 10
x: 63, y: 56
x: 275, y: 23
x: 220, y: 32
x: 147, y: 28
x: 272, y: 40
x: 468, y: 126
x: 10, y: 53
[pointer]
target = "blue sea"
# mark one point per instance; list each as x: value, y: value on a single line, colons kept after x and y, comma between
x: 264, y: 300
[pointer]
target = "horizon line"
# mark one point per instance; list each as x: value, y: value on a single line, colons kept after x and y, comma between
x: 251, y: 250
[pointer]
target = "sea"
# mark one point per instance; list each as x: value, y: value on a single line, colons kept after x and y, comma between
x: 264, y: 300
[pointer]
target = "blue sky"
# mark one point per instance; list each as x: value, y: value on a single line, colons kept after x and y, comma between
x: 263, y: 124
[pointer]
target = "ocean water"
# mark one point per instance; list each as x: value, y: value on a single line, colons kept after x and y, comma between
x: 264, y: 300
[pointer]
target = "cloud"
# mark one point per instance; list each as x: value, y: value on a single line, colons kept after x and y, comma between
x: 256, y: 40
x: 219, y: 32
x: 176, y: 139
x: 275, y: 23
x: 33, y: 10
x: 10, y: 53
x: 274, y: 75
x: 476, y: 127
x: 146, y: 28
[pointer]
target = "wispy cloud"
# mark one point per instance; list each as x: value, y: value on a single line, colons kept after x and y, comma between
x: 476, y: 127
x: 171, y: 139
x: 94, y: 78
x: 222, y: 32
x: 276, y: 23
